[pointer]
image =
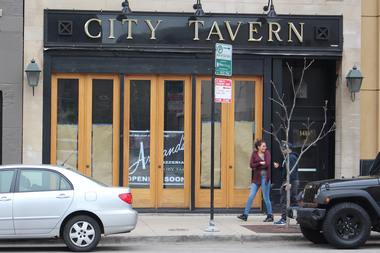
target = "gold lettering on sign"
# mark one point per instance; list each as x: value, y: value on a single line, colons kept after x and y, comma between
x: 129, y: 27
x: 232, y: 36
x: 86, y: 28
x: 196, y: 32
x: 153, y: 30
x: 215, y: 33
x: 294, y: 29
x: 271, y: 31
x: 112, y: 28
x: 251, y: 31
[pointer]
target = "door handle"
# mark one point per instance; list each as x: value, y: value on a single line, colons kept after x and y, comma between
x: 4, y: 199
x: 159, y: 166
x: 230, y: 166
x: 63, y: 196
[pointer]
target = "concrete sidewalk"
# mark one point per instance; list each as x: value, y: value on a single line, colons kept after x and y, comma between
x: 175, y: 228
x: 154, y: 228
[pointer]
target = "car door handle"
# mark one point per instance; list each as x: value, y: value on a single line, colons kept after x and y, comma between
x: 63, y: 196
x: 5, y: 199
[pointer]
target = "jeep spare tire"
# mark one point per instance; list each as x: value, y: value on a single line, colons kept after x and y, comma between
x: 347, y: 226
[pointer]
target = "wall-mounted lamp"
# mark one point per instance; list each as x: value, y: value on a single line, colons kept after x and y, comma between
x: 271, y: 12
x: 198, y: 9
x: 33, y: 74
x: 354, y: 82
x: 126, y: 8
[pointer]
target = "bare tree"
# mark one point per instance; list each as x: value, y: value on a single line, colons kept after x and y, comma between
x: 286, y: 119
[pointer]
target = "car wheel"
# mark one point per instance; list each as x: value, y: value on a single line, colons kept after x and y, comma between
x: 347, y: 226
x: 81, y: 233
x: 315, y: 236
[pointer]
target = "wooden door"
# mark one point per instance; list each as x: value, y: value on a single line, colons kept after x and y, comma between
x: 157, y: 148
x: 236, y: 125
x: 85, y: 124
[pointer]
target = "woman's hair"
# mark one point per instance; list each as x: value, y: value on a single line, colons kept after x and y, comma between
x: 257, y: 143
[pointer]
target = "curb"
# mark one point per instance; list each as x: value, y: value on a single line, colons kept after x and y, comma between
x: 209, y: 237
x: 205, y: 238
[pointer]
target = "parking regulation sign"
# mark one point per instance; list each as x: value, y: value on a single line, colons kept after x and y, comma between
x: 223, y: 90
x: 223, y: 59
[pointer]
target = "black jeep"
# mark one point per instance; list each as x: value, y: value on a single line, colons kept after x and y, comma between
x: 341, y: 212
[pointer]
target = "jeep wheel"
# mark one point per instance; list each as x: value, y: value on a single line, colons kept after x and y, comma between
x: 315, y: 236
x: 347, y: 226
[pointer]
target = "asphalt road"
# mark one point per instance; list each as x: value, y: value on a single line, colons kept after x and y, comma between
x: 373, y: 245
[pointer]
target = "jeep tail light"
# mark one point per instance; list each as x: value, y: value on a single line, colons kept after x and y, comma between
x: 126, y: 197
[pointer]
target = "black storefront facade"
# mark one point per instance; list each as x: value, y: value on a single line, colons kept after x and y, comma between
x: 127, y: 100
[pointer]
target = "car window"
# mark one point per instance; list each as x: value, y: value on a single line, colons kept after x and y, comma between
x: 6, y: 181
x: 64, y: 184
x: 42, y: 180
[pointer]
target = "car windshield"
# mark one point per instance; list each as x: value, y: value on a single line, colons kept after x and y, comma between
x: 80, y: 173
x: 375, y: 167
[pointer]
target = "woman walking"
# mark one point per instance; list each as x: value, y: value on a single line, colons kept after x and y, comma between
x: 260, y: 163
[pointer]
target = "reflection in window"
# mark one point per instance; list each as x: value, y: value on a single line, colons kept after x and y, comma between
x: 174, y: 135
x: 67, y: 122
x: 102, y: 130
x: 139, y: 134
x: 67, y: 97
x: 6, y: 181
x: 41, y: 180
x: 206, y: 95
x: 64, y: 184
x: 139, y: 105
x: 302, y: 93
x: 244, y: 132
x: 102, y: 101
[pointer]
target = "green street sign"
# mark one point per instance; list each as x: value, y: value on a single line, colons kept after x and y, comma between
x: 223, y: 59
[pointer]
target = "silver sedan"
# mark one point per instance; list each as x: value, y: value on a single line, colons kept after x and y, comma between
x: 45, y: 201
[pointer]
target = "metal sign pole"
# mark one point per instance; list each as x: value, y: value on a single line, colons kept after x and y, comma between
x: 212, y: 227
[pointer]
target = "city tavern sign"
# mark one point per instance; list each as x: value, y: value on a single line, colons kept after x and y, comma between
x: 184, y: 31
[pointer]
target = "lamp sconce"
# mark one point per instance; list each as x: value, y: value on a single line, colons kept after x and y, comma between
x: 354, y: 82
x: 198, y: 9
x: 33, y: 74
x: 126, y: 8
x: 270, y: 6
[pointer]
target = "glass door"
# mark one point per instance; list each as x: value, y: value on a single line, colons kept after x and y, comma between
x: 157, y: 118
x: 236, y: 125
x: 85, y: 124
